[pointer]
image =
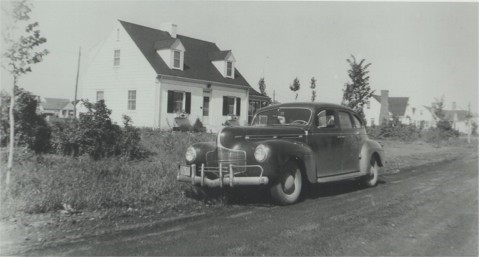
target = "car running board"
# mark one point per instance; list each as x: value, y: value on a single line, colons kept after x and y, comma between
x: 355, y: 174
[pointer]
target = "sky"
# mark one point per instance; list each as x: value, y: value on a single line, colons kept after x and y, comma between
x: 418, y: 50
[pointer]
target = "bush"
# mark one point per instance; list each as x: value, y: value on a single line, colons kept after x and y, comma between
x: 95, y: 134
x: 394, y: 130
x: 31, y: 129
x: 198, y: 126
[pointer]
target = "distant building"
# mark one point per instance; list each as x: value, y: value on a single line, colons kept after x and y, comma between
x: 458, y: 118
x: 161, y: 79
x: 56, y: 107
x: 382, y: 108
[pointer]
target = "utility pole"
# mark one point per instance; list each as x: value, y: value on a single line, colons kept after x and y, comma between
x: 469, y: 125
x: 76, y: 85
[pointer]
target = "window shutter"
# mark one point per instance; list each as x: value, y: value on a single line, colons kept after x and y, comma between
x: 170, y: 102
x: 225, y: 106
x: 238, y: 106
x: 188, y: 97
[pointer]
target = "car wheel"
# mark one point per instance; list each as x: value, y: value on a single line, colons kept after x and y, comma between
x: 288, y: 187
x: 372, y: 178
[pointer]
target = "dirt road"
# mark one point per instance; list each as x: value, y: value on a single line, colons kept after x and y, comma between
x: 431, y: 210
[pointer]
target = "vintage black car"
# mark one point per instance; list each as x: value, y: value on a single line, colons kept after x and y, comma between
x: 286, y: 146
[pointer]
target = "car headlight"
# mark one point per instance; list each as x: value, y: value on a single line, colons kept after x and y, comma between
x: 191, y: 154
x: 261, y: 153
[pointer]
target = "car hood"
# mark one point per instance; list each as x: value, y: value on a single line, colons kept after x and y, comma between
x: 230, y: 136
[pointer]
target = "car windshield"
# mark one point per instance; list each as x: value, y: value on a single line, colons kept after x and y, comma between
x: 283, y: 117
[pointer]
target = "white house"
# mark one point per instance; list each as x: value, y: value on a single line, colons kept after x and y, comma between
x: 382, y: 107
x: 55, y: 107
x: 157, y: 76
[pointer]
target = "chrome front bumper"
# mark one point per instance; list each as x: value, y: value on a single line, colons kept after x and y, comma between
x: 225, y: 173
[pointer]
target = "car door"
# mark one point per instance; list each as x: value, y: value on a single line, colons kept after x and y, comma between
x: 326, y: 143
x: 351, y: 143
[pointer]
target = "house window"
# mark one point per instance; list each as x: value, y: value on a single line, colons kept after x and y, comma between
x: 178, y: 102
x: 372, y: 122
x: 176, y: 59
x: 231, y: 105
x: 206, y: 105
x: 229, y: 69
x: 116, y: 58
x: 132, y: 99
x: 368, y: 105
x: 99, y: 95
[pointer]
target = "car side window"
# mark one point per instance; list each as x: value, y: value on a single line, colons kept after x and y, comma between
x: 356, y: 120
x: 345, y: 121
x: 326, y: 119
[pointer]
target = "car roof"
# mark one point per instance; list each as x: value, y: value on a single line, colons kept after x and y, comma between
x: 312, y: 105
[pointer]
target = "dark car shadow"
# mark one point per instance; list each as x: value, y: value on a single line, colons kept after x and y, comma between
x: 260, y: 196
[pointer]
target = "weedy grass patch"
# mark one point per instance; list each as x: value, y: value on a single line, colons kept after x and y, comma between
x: 44, y: 183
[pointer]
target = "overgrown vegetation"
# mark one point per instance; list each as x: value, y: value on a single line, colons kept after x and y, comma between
x: 44, y: 183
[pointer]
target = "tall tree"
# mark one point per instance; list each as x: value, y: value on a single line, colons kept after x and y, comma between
x: 357, y: 92
x: 313, y: 85
x: 262, y: 86
x: 20, y: 50
x: 295, y: 86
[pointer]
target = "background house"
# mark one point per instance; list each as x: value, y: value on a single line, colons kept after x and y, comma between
x: 458, y: 118
x: 157, y: 76
x: 56, y: 107
x: 382, y: 107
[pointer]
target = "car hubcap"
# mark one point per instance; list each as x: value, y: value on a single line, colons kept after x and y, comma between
x: 289, y: 185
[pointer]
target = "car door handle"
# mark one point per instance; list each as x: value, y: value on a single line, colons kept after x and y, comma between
x: 340, y: 136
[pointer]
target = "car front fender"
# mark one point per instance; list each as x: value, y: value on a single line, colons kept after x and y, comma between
x: 283, y: 151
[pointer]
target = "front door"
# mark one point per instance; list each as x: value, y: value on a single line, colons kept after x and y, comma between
x: 206, y: 110
x: 326, y: 142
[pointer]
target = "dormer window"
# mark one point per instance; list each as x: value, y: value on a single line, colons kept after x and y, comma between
x: 224, y: 62
x: 176, y: 59
x: 229, y: 69
x: 172, y: 52
x: 116, y: 58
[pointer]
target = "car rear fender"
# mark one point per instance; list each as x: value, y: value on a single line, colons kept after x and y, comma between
x: 371, y: 149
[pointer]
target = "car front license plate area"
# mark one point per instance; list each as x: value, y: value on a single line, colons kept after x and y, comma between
x: 185, y: 170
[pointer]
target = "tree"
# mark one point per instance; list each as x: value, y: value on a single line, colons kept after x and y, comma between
x: 262, y: 86
x: 438, y: 105
x: 21, y: 40
x: 31, y: 129
x: 295, y: 87
x: 313, y: 85
x: 357, y: 92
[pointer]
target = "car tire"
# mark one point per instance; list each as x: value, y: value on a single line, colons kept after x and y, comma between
x: 371, y: 179
x: 288, y: 188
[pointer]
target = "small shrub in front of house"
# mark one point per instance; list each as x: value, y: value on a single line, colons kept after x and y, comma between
x: 198, y: 126
x: 31, y: 129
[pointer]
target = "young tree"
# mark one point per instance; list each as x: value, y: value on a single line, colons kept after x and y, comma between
x: 21, y: 40
x: 295, y: 87
x: 357, y: 92
x: 262, y: 86
x: 313, y: 85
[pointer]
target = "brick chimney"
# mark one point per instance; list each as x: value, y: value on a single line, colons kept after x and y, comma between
x: 384, y: 114
x: 170, y: 28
